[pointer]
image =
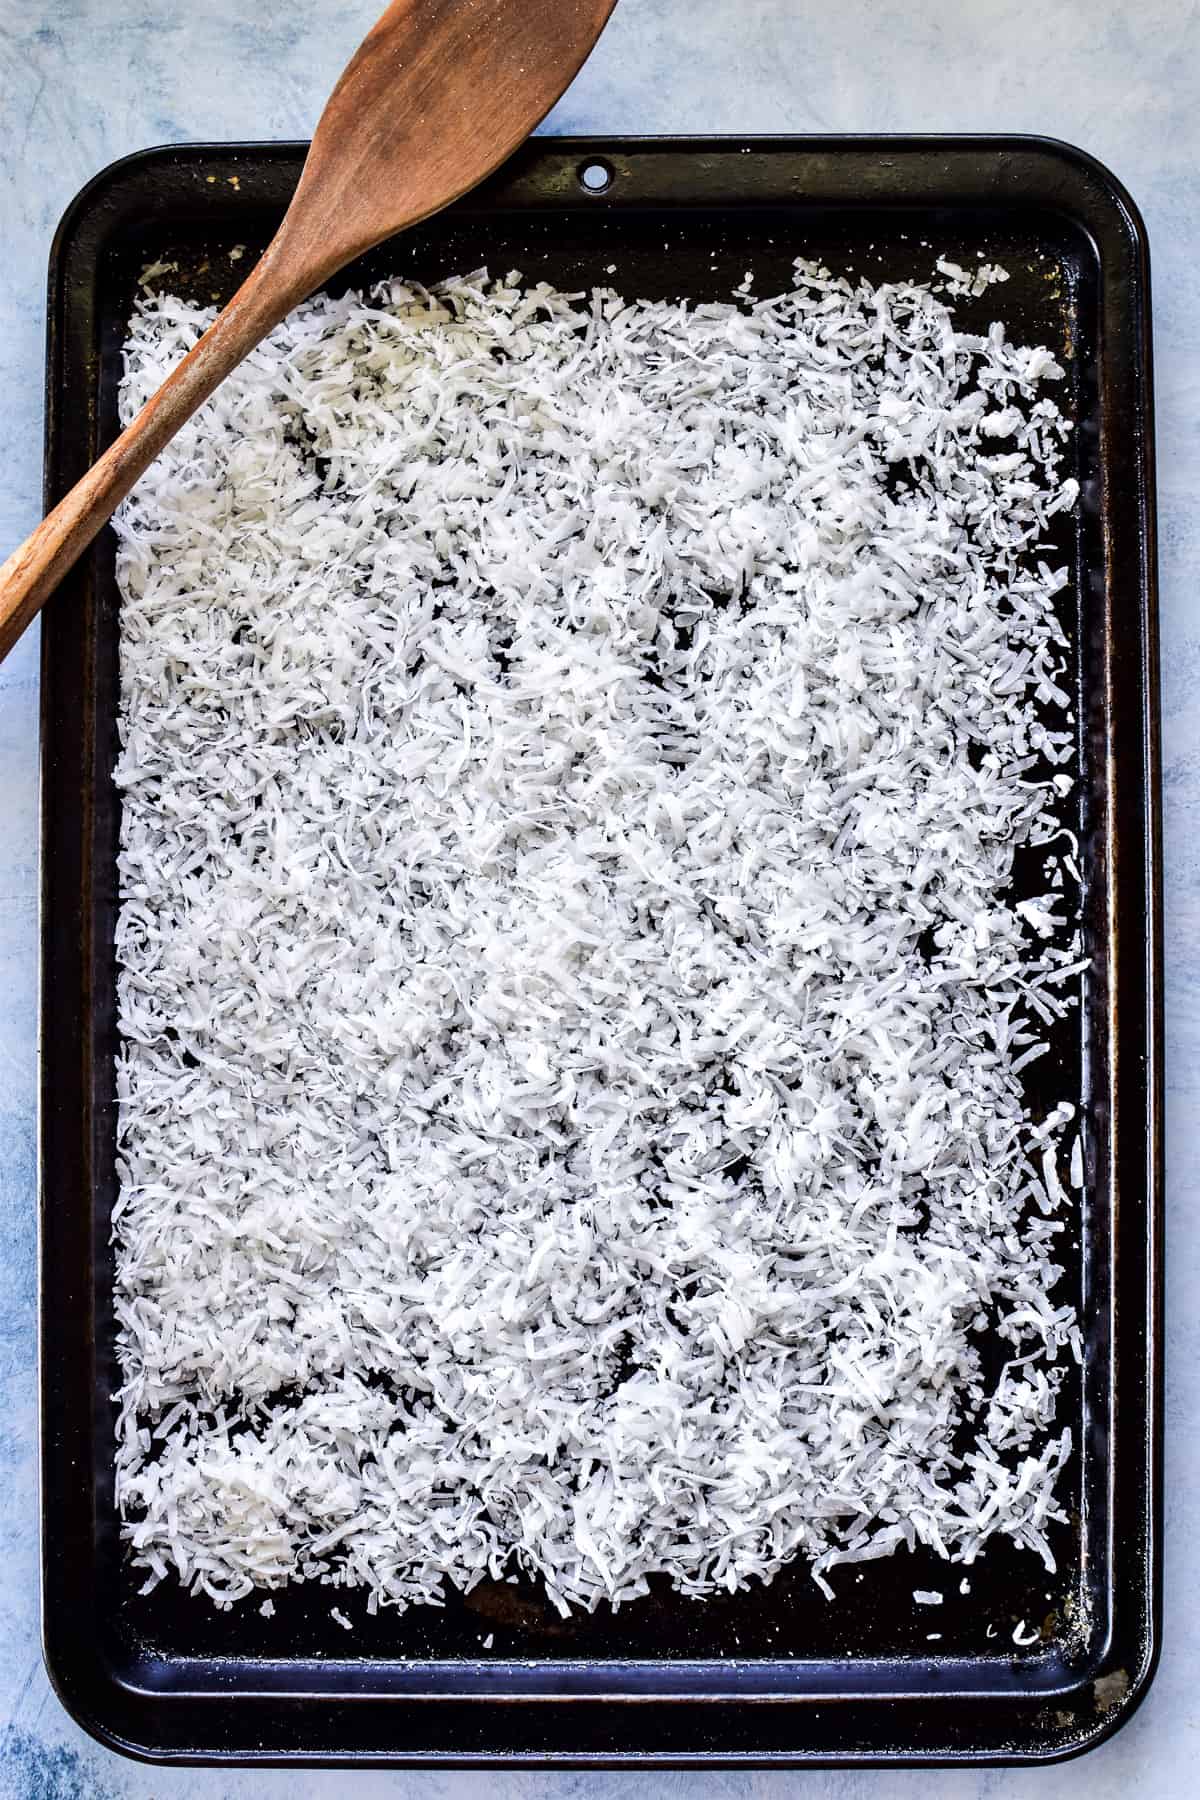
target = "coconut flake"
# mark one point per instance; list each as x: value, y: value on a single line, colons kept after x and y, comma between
x: 573, y: 753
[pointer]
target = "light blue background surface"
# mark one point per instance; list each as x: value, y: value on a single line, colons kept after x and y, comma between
x: 85, y: 81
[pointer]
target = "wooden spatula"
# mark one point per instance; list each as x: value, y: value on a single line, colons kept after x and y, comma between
x: 435, y: 98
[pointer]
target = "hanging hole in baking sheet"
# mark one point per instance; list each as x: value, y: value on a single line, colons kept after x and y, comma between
x: 595, y: 176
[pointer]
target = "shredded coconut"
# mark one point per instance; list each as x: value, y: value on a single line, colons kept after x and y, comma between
x: 573, y: 757
x: 153, y: 270
x: 961, y: 281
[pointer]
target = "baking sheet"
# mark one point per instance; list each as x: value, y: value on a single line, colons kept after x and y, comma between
x: 752, y: 1676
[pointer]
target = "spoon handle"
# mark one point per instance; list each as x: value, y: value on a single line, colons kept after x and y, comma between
x: 34, y: 570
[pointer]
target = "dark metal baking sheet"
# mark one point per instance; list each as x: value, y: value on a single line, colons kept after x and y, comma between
x: 770, y: 1675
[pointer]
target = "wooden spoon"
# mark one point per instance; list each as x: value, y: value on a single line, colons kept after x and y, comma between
x: 434, y: 99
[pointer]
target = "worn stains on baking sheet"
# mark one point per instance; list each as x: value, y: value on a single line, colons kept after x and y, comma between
x: 504, y: 1603
x: 1107, y: 1695
x: 1109, y: 1690
x: 1062, y: 298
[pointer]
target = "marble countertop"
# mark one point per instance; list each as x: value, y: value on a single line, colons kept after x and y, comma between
x: 85, y: 81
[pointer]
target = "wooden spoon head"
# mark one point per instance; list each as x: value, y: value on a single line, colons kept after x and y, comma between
x: 435, y: 98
